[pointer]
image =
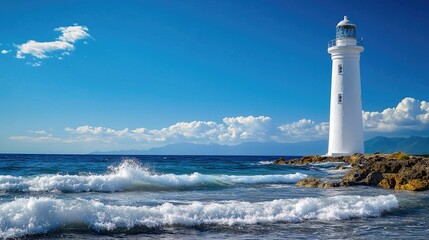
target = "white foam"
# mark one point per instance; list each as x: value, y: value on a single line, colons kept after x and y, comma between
x: 40, y: 215
x: 130, y: 175
x: 337, y: 171
x: 326, y: 164
x: 266, y: 162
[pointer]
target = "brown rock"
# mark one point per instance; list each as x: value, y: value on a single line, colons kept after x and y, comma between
x: 387, y: 183
x: 354, y: 159
x: 355, y: 176
x: 373, y: 178
x: 280, y: 161
x: 316, y: 183
x: 340, y: 167
x: 309, y: 160
x: 418, y: 171
x: 414, y: 185
x: 399, y: 156
x: 387, y: 166
x: 309, y: 182
x: 398, y: 170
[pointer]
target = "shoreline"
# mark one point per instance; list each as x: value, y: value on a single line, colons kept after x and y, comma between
x: 398, y: 171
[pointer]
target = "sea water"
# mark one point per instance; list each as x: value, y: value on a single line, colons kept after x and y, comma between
x: 188, y: 197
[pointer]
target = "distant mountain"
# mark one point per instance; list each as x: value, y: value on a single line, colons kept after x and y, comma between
x: 411, y: 145
x: 248, y: 148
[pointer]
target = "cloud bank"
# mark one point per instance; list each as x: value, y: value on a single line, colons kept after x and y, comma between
x: 233, y: 130
x: 409, y: 114
x: 64, y: 44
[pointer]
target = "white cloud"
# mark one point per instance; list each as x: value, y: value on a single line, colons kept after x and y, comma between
x: 39, y: 137
x: 35, y: 64
x: 86, y: 130
x: 41, y: 132
x: 233, y: 130
x: 305, y: 129
x: 424, y: 117
x: 409, y: 114
x: 250, y: 128
x: 64, y: 44
x: 4, y: 51
x: 36, y: 139
x: 192, y: 131
x: 73, y: 33
x: 41, y: 49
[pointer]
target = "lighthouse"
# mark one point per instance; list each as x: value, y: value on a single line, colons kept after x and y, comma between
x: 345, y: 125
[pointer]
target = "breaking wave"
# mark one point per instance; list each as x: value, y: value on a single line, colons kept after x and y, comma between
x: 130, y: 175
x: 27, y: 216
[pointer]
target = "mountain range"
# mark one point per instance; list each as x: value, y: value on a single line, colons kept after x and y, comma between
x: 411, y: 145
x: 247, y: 148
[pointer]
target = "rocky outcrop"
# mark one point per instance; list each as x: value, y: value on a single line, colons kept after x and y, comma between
x: 396, y: 171
x: 321, y: 159
x: 308, y: 160
x: 316, y: 183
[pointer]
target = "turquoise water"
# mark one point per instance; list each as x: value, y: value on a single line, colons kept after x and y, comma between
x: 188, y: 197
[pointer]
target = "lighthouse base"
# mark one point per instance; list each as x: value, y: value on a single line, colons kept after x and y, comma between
x: 338, y: 154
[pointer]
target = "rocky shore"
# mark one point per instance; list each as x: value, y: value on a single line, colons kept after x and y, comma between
x: 396, y: 171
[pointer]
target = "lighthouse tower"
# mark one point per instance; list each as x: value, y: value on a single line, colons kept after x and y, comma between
x: 346, y: 128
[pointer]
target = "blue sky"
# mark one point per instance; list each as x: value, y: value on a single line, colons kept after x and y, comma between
x: 138, y: 74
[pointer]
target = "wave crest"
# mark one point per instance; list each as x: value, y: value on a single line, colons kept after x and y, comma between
x: 41, y: 215
x: 131, y: 175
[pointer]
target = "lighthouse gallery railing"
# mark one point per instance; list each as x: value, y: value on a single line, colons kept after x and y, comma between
x: 333, y: 43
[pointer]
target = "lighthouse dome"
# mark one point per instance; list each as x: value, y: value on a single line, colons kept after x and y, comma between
x: 346, y: 22
x: 346, y: 29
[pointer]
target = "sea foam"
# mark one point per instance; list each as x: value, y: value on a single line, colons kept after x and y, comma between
x: 265, y: 162
x: 27, y: 216
x: 130, y: 175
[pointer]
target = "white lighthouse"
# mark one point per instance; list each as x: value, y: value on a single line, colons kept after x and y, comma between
x: 346, y: 128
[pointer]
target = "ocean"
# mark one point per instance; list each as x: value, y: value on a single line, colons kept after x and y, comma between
x: 192, y: 197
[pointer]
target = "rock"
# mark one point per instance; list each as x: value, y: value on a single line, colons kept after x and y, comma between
x: 280, y: 161
x: 309, y: 182
x: 387, y: 166
x: 399, y: 156
x: 373, y: 178
x: 417, y: 171
x: 355, y: 176
x: 399, y: 171
x: 387, y: 183
x: 308, y: 160
x: 331, y: 184
x: 354, y: 159
x: 414, y: 185
x: 316, y: 183
x: 339, y: 167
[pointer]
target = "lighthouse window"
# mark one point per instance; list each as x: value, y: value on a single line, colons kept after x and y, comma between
x: 340, y: 68
x: 340, y: 98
